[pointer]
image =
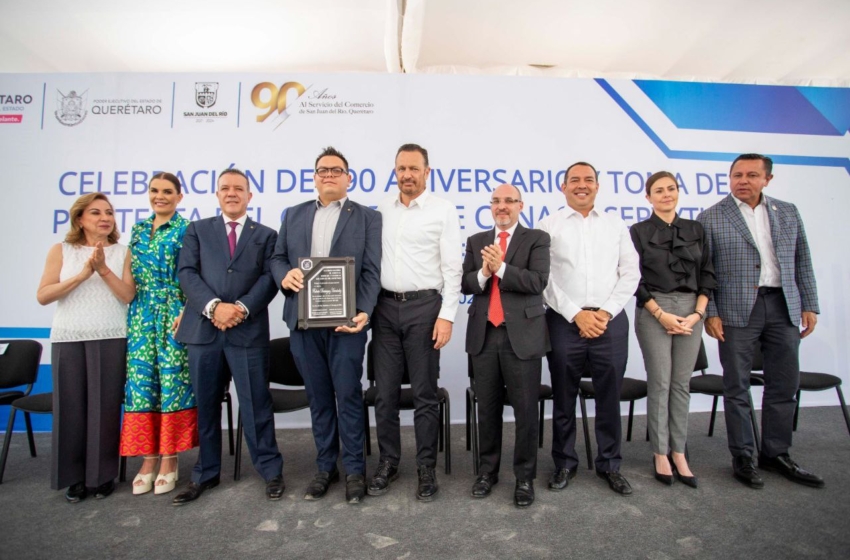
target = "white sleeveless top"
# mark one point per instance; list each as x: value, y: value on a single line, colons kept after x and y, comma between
x: 91, y: 311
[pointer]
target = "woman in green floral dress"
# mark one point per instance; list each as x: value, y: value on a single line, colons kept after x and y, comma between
x: 160, y: 415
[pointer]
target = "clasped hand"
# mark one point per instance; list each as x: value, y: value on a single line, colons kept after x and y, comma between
x: 678, y: 325
x: 227, y: 316
x: 591, y: 324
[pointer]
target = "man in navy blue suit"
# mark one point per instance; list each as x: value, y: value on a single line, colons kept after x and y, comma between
x: 224, y: 273
x: 331, y: 360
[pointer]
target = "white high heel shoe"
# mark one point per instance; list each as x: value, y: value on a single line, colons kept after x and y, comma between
x: 169, y: 478
x: 146, y: 479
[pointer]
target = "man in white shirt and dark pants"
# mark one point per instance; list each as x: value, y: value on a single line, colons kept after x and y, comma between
x: 420, y: 281
x: 594, y: 272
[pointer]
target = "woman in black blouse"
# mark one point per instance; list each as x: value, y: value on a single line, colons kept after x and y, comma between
x: 676, y: 279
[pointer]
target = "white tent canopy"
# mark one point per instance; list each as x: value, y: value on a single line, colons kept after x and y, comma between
x: 760, y: 41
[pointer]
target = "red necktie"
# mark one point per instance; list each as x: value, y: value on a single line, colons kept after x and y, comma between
x: 231, y: 237
x: 496, y: 313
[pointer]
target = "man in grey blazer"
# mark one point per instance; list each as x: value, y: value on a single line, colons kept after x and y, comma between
x: 766, y: 292
x: 506, y: 269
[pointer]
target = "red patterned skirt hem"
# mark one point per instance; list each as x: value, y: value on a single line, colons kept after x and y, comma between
x: 157, y: 433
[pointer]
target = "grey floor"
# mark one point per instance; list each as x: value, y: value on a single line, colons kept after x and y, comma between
x: 722, y: 519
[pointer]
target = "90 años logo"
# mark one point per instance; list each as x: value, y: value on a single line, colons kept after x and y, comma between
x: 276, y: 100
x: 71, y: 108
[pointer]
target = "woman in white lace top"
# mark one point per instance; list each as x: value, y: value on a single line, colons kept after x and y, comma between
x: 88, y: 275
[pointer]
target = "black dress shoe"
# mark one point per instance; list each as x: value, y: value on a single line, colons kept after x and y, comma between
x: 76, y: 493
x: 193, y: 491
x: 787, y: 467
x: 380, y: 483
x: 561, y: 478
x: 104, y: 490
x: 617, y: 482
x: 662, y: 478
x: 318, y: 487
x: 744, y: 470
x: 275, y: 488
x: 427, y: 484
x: 355, y: 488
x: 524, y: 493
x: 484, y: 485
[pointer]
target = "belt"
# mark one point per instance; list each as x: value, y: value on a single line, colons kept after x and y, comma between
x: 764, y: 290
x: 404, y: 296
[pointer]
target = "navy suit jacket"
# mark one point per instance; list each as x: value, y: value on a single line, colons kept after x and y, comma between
x: 206, y: 272
x: 526, y: 274
x: 737, y: 262
x: 357, y: 234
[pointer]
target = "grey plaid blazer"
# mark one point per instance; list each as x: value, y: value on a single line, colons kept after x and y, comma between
x: 737, y: 262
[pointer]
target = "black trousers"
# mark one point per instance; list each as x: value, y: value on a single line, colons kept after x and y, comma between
x: 498, y: 371
x: 607, y: 356
x: 401, y: 336
x: 88, y: 391
x: 780, y: 343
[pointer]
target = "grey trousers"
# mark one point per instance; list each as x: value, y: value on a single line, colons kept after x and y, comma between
x: 88, y: 391
x: 669, y: 361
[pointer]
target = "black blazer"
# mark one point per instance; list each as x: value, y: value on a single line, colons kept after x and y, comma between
x: 206, y: 272
x: 526, y: 274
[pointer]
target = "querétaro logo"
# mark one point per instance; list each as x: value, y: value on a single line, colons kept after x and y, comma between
x: 71, y: 108
x: 206, y: 94
x: 12, y: 107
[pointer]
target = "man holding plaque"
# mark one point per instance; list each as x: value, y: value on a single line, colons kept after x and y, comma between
x: 420, y: 281
x: 317, y: 238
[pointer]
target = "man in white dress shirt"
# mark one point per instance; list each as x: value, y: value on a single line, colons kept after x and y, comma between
x: 594, y: 272
x: 420, y: 281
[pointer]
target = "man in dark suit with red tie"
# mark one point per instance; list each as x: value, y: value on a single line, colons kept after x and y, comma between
x: 506, y: 269
x: 224, y: 272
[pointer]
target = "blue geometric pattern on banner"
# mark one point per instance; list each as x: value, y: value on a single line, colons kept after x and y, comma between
x: 24, y: 332
x: 739, y: 108
x: 714, y: 156
x: 833, y: 103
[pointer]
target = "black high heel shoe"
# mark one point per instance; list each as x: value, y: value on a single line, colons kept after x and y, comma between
x: 662, y: 478
x: 686, y: 480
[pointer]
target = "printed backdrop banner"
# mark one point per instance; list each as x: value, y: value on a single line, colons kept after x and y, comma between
x: 64, y: 135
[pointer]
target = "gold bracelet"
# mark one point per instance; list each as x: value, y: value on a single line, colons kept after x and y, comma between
x: 700, y: 313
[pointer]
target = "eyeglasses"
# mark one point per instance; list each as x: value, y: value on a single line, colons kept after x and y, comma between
x: 330, y: 171
x: 508, y: 201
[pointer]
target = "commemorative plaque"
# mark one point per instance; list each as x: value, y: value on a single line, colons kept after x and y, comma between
x: 328, y: 297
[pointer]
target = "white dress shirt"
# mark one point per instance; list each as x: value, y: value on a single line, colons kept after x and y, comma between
x: 482, y: 280
x: 759, y: 225
x: 241, y: 221
x: 422, y: 249
x: 593, y: 262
